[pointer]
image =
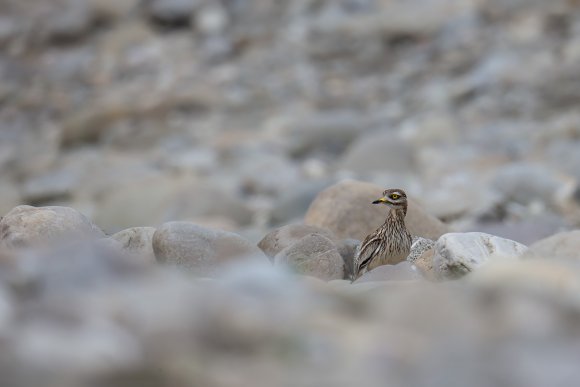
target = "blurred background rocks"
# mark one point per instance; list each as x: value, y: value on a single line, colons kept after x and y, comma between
x: 142, y: 112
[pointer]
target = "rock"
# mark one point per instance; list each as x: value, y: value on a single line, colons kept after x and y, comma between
x: 346, y: 210
x: 314, y: 255
x: 526, y: 183
x: 424, y: 265
x: 562, y: 245
x: 347, y: 248
x: 418, y: 247
x: 457, y: 254
x: 402, y: 271
x: 286, y: 236
x: 379, y: 152
x: 138, y: 241
x: 199, y: 250
x: 34, y: 226
x: 172, y: 12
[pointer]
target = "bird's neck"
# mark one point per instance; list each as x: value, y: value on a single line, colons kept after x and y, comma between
x: 397, y: 215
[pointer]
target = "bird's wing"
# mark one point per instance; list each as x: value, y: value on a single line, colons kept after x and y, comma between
x: 367, y: 252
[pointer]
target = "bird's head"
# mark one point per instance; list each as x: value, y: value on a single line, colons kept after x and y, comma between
x: 395, y: 199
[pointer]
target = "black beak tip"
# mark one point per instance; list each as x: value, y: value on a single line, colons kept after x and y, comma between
x: 376, y: 202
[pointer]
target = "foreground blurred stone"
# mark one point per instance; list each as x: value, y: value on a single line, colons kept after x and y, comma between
x: 199, y: 250
x: 456, y: 254
x: 27, y: 226
x: 88, y: 317
x: 346, y: 210
x: 400, y: 272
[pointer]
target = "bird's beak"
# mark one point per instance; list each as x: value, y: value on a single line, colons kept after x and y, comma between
x: 381, y: 200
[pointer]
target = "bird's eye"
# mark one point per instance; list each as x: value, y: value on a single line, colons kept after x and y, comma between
x: 395, y: 196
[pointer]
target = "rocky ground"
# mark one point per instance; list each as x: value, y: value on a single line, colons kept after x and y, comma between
x: 182, y: 304
x: 167, y: 167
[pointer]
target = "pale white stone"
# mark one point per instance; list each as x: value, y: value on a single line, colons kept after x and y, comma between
x: 457, y: 254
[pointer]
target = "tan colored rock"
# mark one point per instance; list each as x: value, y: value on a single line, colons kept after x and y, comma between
x: 346, y: 210
x: 562, y: 245
x: 26, y: 226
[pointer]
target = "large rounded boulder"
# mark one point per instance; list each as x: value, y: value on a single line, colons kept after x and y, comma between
x: 345, y: 209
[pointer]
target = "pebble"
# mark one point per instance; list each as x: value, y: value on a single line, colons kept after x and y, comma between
x: 418, y: 247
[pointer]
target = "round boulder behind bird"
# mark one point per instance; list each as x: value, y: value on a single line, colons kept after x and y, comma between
x: 27, y: 226
x: 346, y: 210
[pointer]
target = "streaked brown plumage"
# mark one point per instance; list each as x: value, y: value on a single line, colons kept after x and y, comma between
x: 390, y: 243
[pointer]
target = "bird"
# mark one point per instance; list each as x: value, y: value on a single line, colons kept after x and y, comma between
x: 391, y: 242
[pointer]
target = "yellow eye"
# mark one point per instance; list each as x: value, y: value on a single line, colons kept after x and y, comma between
x: 395, y: 196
